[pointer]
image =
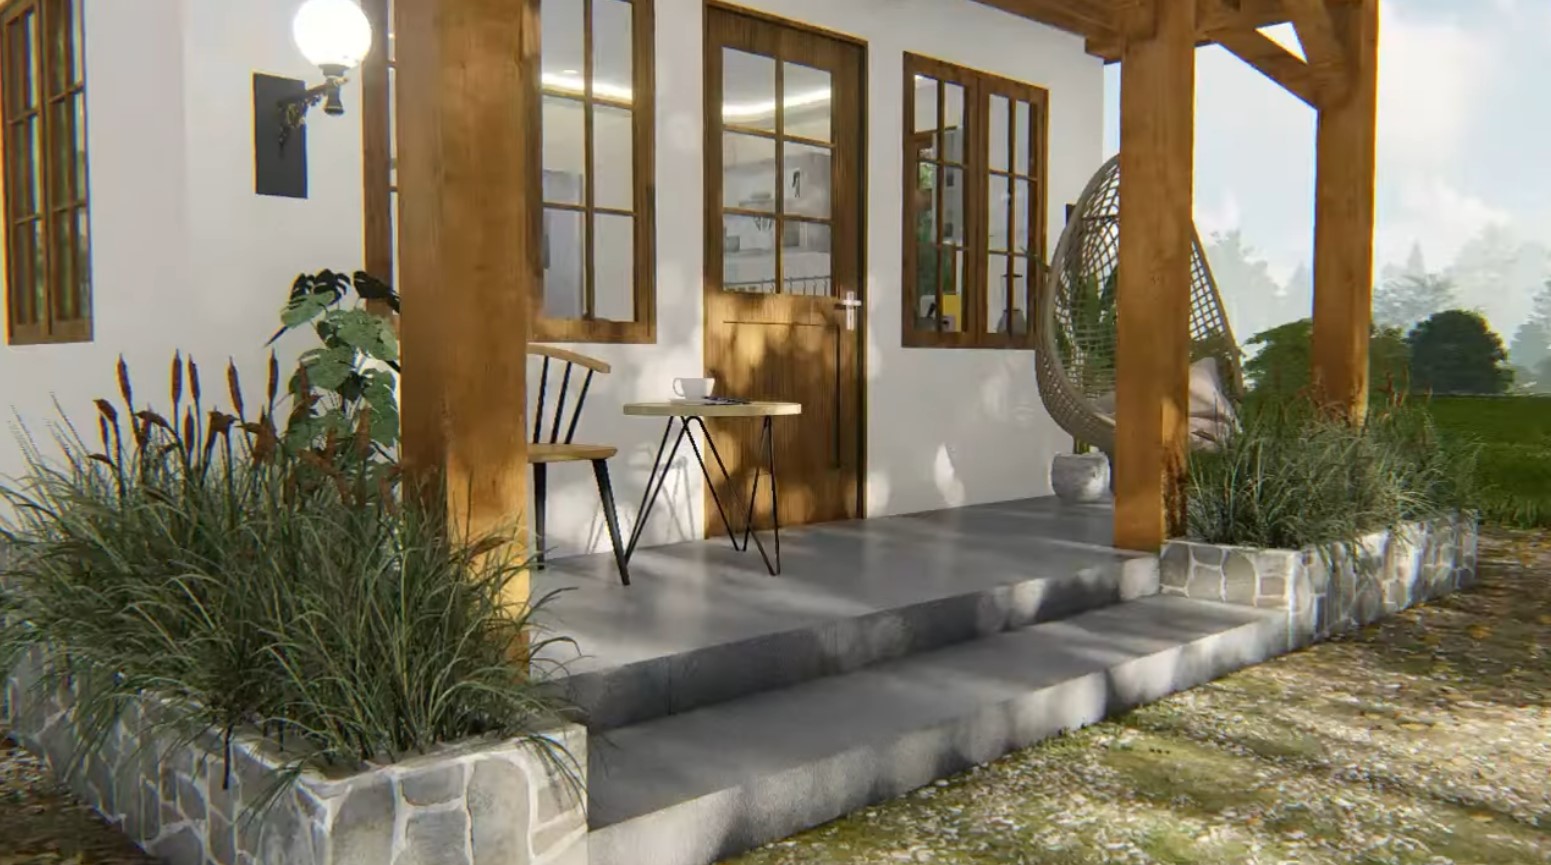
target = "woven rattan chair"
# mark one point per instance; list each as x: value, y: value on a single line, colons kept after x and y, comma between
x: 1077, y: 314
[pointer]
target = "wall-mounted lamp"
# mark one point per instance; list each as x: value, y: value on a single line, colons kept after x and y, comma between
x: 335, y: 36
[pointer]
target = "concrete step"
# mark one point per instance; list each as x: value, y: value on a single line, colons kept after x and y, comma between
x: 692, y: 788
x: 820, y: 646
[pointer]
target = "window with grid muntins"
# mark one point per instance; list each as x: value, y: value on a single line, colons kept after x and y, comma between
x: 47, y: 241
x: 974, y: 226
x: 595, y: 71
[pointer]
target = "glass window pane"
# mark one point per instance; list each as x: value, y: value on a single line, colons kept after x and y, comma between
x: 19, y: 275
x: 998, y: 133
x: 953, y: 123
x: 950, y: 270
x: 807, y: 100
x: 805, y: 259
x: 613, y: 136
x: 953, y: 206
x: 27, y: 59
x: 562, y: 47
x: 38, y: 276
x: 61, y: 31
x: 996, y: 294
x: 64, y: 266
x: 748, y: 172
x: 78, y: 104
x: 996, y: 200
x: 564, y: 253
x: 62, y: 129
x: 22, y: 155
x: 565, y: 168
x: 83, y: 261
x: 806, y: 179
x: 926, y: 103
x: 613, y: 292
x: 1022, y: 290
x: 748, y: 253
x: 612, y: 74
x: 748, y: 90
x: 393, y: 129
x: 1023, y: 214
x: 78, y: 56
x: 1024, y: 130
x: 926, y: 202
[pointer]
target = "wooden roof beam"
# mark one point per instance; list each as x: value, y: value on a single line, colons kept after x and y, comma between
x: 1217, y: 15
x: 1273, y: 61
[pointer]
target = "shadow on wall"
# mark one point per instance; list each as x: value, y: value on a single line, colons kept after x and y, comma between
x: 977, y: 430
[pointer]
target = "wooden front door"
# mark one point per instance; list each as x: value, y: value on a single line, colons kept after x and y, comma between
x: 784, y: 115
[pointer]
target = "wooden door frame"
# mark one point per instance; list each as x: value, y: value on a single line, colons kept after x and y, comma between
x: 864, y: 178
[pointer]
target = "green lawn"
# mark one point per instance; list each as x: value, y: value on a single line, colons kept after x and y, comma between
x: 1515, y: 464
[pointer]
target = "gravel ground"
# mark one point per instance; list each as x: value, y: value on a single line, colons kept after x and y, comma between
x: 1422, y: 741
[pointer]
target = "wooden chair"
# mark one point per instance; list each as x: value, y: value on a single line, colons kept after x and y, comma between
x: 549, y: 447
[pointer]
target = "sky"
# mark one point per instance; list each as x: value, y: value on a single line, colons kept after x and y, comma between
x: 1464, y: 139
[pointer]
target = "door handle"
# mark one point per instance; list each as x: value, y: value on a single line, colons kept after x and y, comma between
x: 850, y: 303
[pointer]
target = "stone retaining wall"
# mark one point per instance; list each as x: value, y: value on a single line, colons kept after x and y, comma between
x: 480, y: 803
x: 1333, y: 590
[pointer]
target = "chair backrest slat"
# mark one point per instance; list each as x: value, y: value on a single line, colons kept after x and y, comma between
x: 538, y: 420
x: 568, y: 361
x: 581, y: 399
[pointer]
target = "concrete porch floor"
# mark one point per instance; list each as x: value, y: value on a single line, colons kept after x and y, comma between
x: 703, y: 593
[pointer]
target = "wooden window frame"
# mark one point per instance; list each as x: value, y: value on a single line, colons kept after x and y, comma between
x: 380, y: 194
x: 978, y: 89
x: 64, y: 191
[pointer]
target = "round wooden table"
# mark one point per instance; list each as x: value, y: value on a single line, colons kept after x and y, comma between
x: 687, y: 412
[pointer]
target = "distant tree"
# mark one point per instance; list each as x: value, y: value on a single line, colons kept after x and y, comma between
x: 1531, y: 344
x: 1244, y: 278
x: 1455, y: 351
x: 1411, y: 297
x: 1283, y: 365
x: 1542, y: 377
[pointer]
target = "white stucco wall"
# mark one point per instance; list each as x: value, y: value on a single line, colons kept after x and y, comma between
x: 185, y: 255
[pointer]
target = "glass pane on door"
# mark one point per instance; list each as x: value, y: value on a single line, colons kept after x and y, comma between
x: 777, y: 159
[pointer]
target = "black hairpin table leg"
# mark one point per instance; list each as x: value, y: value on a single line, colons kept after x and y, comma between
x: 767, y: 444
x: 658, y: 478
x: 654, y: 483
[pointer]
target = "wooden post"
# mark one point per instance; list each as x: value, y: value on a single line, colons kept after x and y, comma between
x: 1157, y: 143
x: 468, y: 111
x: 375, y: 142
x: 1343, y: 222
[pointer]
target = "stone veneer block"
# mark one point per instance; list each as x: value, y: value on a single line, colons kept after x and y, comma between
x: 1330, y: 590
x: 472, y: 803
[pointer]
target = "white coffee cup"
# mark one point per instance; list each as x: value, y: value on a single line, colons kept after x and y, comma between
x: 694, y: 388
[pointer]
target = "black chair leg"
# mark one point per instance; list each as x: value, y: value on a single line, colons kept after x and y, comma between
x: 600, y: 470
x: 540, y: 494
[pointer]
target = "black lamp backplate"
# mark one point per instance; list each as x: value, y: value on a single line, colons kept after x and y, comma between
x: 277, y: 169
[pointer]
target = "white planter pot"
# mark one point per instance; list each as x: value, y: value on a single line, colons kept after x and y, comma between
x: 1080, y: 478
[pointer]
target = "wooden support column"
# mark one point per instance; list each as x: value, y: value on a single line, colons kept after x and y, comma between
x: 1157, y: 144
x: 467, y: 114
x: 376, y: 113
x: 1343, y: 221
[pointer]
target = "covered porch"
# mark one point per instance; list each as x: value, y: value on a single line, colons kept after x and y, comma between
x: 462, y: 100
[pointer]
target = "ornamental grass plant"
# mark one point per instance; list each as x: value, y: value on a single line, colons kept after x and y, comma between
x: 1294, y: 476
x: 247, y: 585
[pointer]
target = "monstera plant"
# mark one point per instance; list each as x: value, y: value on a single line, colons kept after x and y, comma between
x: 355, y: 367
